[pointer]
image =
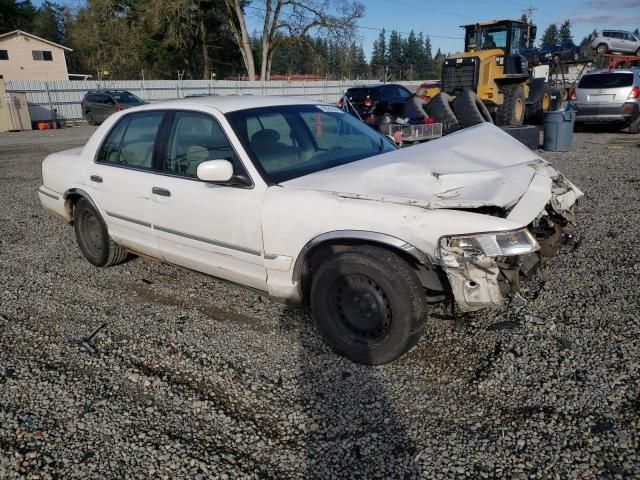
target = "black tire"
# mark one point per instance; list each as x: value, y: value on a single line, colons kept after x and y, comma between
x: 634, y: 127
x: 528, y: 135
x: 368, y: 305
x: 535, y: 111
x: 513, y: 108
x: 439, y: 107
x: 93, y: 238
x: 470, y: 110
x: 602, y: 48
x: 90, y: 118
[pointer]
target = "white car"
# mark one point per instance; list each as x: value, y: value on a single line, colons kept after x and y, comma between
x: 300, y: 200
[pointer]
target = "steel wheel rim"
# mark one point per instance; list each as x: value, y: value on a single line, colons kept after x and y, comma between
x: 361, y: 308
x: 91, y: 233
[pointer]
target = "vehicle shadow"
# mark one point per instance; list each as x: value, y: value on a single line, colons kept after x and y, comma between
x: 353, y: 429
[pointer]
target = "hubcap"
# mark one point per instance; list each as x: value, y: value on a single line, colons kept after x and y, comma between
x: 361, y: 307
x: 91, y: 233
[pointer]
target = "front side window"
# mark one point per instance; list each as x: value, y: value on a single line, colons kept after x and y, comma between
x: 4, y: 55
x: 132, y: 140
x: 321, y: 137
x: 195, y: 138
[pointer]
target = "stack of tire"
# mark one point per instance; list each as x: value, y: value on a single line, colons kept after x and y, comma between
x: 468, y: 110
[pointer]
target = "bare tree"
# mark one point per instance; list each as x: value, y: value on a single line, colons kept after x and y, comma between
x: 240, y: 33
x: 297, y: 18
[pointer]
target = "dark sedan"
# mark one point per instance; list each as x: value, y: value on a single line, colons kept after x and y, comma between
x: 376, y: 104
x: 563, y: 51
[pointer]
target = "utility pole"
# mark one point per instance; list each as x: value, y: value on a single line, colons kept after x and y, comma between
x: 529, y: 11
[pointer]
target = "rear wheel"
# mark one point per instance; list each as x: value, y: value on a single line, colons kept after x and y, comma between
x: 90, y: 118
x: 368, y: 305
x: 602, y: 48
x: 512, y: 110
x: 535, y: 111
x: 439, y: 107
x: 93, y: 238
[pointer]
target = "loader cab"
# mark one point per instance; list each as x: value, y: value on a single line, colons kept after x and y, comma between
x: 513, y: 37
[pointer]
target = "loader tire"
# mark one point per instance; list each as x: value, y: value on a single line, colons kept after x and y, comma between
x: 512, y: 110
x: 528, y: 135
x: 439, y: 107
x: 535, y: 111
x: 470, y: 110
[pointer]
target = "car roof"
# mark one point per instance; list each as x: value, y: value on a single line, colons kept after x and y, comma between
x: 232, y: 103
x: 631, y: 70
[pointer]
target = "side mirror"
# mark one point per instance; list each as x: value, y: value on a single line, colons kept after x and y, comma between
x: 215, y: 171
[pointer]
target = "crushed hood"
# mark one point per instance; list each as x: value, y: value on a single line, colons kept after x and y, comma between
x: 478, y: 166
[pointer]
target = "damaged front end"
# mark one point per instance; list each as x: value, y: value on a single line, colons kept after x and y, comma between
x: 484, y: 270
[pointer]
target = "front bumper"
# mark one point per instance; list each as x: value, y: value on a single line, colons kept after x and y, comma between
x: 627, y: 112
x: 478, y: 281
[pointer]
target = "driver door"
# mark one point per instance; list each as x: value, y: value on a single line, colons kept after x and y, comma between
x: 208, y: 227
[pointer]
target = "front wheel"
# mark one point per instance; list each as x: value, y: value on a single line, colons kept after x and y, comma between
x: 602, y: 48
x: 93, y: 238
x: 512, y: 110
x: 368, y: 305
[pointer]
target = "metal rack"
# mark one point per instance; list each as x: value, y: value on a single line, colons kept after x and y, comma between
x: 412, y: 133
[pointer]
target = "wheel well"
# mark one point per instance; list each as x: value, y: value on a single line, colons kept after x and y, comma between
x: 430, y: 276
x: 70, y: 205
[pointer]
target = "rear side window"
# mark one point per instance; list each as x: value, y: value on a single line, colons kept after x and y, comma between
x: 133, y: 145
x: 606, y: 80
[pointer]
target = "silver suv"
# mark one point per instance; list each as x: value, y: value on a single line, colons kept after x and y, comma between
x: 609, y: 96
x: 617, y: 41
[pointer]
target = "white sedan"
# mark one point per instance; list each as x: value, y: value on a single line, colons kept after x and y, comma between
x: 300, y: 200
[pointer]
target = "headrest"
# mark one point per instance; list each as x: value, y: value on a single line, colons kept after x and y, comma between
x: 265, y: 136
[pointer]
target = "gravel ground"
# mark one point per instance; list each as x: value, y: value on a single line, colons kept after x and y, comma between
x: 194, y: 378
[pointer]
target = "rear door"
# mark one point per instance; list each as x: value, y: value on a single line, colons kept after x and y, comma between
x: 605, y: 88
x: 121, y: 179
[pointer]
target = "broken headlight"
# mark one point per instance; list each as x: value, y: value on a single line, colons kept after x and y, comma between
x: 503, y: 244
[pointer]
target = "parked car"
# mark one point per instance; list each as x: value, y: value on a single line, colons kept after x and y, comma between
x: 618, y: 41
x: 375, y: 104
x: 98, y: 105
x: 609, y: 96
x: 565, y: 51
x: 303, y: 201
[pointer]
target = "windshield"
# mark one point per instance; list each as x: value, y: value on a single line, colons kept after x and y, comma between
x: 490, y: 37
x: 606, y: 80
x: 126, y: 98
x: 291, y: 141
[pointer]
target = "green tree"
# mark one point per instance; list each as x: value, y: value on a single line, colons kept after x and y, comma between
x: 16, y: 15
x: 394, y: 55
x: 49, y: 22
x: 550, y: 35
x: 565, y: 32
x: 379, y: 55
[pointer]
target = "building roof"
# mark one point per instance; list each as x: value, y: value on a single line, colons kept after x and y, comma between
x: 20, y: 32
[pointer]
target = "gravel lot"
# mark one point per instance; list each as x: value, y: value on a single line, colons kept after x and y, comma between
x: 194, y: 378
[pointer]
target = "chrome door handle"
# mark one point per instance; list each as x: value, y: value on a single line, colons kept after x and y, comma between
x: 96, y: 178
x: 161, y: 191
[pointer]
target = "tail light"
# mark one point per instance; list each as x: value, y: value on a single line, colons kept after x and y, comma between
x: 119, y: 107
x: 341, y: 103
x: 572, y: 94
x: 635, y: 93
x: 367, y: 102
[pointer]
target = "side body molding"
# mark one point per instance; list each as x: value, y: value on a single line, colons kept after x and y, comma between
x: 373, y: 237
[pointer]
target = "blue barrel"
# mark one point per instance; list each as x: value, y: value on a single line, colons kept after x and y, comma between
x: 558, y: 130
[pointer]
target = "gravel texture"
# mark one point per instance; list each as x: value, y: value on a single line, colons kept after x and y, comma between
x: 194, y: 378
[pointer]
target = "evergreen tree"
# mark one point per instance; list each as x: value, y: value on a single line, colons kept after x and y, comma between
x: 565, y: 32
x: 379, y: 55
x: 394, y: 55
x: 550, y: 35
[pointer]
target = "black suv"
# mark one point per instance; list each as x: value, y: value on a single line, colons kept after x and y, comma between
x: 376, y: 104
x: 98, y: 105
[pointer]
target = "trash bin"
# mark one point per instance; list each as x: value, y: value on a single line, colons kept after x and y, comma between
x: 558, y: 129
